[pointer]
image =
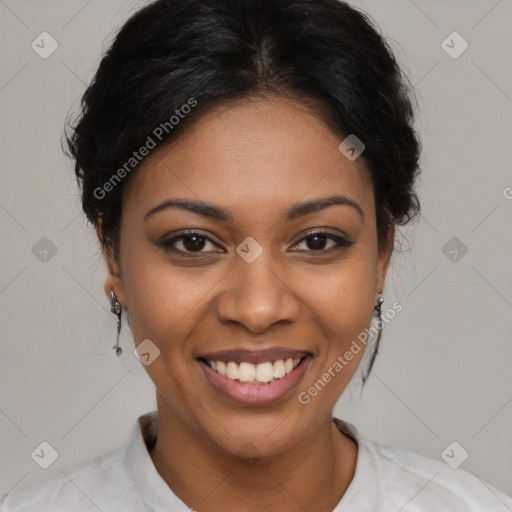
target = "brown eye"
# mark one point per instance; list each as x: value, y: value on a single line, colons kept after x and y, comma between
x: 317, y: 241
x: 188, y: 243
x: 193, y: 242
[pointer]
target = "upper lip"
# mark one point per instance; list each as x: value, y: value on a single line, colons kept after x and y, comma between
x: 239, y: 355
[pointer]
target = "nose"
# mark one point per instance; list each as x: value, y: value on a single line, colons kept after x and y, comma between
x: 257, y: 295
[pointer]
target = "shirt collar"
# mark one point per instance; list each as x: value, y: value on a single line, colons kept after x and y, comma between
x: 158, y: 497
x: 151, y: 487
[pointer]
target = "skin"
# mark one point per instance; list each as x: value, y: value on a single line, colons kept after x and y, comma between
x: 254, y: 158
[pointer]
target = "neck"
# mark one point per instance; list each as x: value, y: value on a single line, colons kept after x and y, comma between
x: 312, y: 476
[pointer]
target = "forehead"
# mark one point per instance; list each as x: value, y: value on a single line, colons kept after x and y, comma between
x: 265, y: 152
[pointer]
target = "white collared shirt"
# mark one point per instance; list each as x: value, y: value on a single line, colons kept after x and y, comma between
x: 386, y: 479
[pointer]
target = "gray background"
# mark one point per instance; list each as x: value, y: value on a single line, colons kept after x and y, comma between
x: 444, y: 371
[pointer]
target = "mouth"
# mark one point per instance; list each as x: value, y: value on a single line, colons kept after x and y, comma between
x: 254, y: 378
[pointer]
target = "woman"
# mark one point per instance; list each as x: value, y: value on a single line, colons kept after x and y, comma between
x: 245, y: 164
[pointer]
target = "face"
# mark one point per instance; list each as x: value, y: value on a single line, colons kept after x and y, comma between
x: 270, y: 288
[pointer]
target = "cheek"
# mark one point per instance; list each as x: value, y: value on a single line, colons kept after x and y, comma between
x: 343, y: 301
x: 343, y: 295
x: 165, y: 301
x: 162, y: 298
x: 166, y: 304
x: 336, y: 364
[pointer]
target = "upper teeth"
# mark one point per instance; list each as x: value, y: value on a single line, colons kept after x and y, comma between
x: 248, y: 372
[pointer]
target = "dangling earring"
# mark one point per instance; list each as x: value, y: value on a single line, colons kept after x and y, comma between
x: 378, y: 309
x: 116, y: 308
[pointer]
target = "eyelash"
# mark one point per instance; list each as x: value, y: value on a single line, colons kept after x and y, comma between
x: 341, y: 243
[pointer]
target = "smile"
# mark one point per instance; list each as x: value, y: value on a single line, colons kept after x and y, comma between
x: 255, y: 378
x: 262, y: 373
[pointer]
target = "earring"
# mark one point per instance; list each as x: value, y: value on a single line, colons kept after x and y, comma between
x: 378, y: 309
x: 116, y: 308
x: 378, y: 306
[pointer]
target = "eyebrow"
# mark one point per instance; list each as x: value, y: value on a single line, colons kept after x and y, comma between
x: 295, y: 211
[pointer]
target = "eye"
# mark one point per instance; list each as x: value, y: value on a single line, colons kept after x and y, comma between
x: 195, y: 242
x: 189, y: 242
x: 317, y: 240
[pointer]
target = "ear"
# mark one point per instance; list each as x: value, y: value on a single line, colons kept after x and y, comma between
x: 113, y: 279
x: 384, y: 255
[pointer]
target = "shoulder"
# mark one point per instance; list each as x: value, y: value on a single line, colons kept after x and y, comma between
x: 88, y: 486
x: 408, y: 479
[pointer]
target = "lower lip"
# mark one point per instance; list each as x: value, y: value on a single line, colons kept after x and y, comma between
x: 256, y: 394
